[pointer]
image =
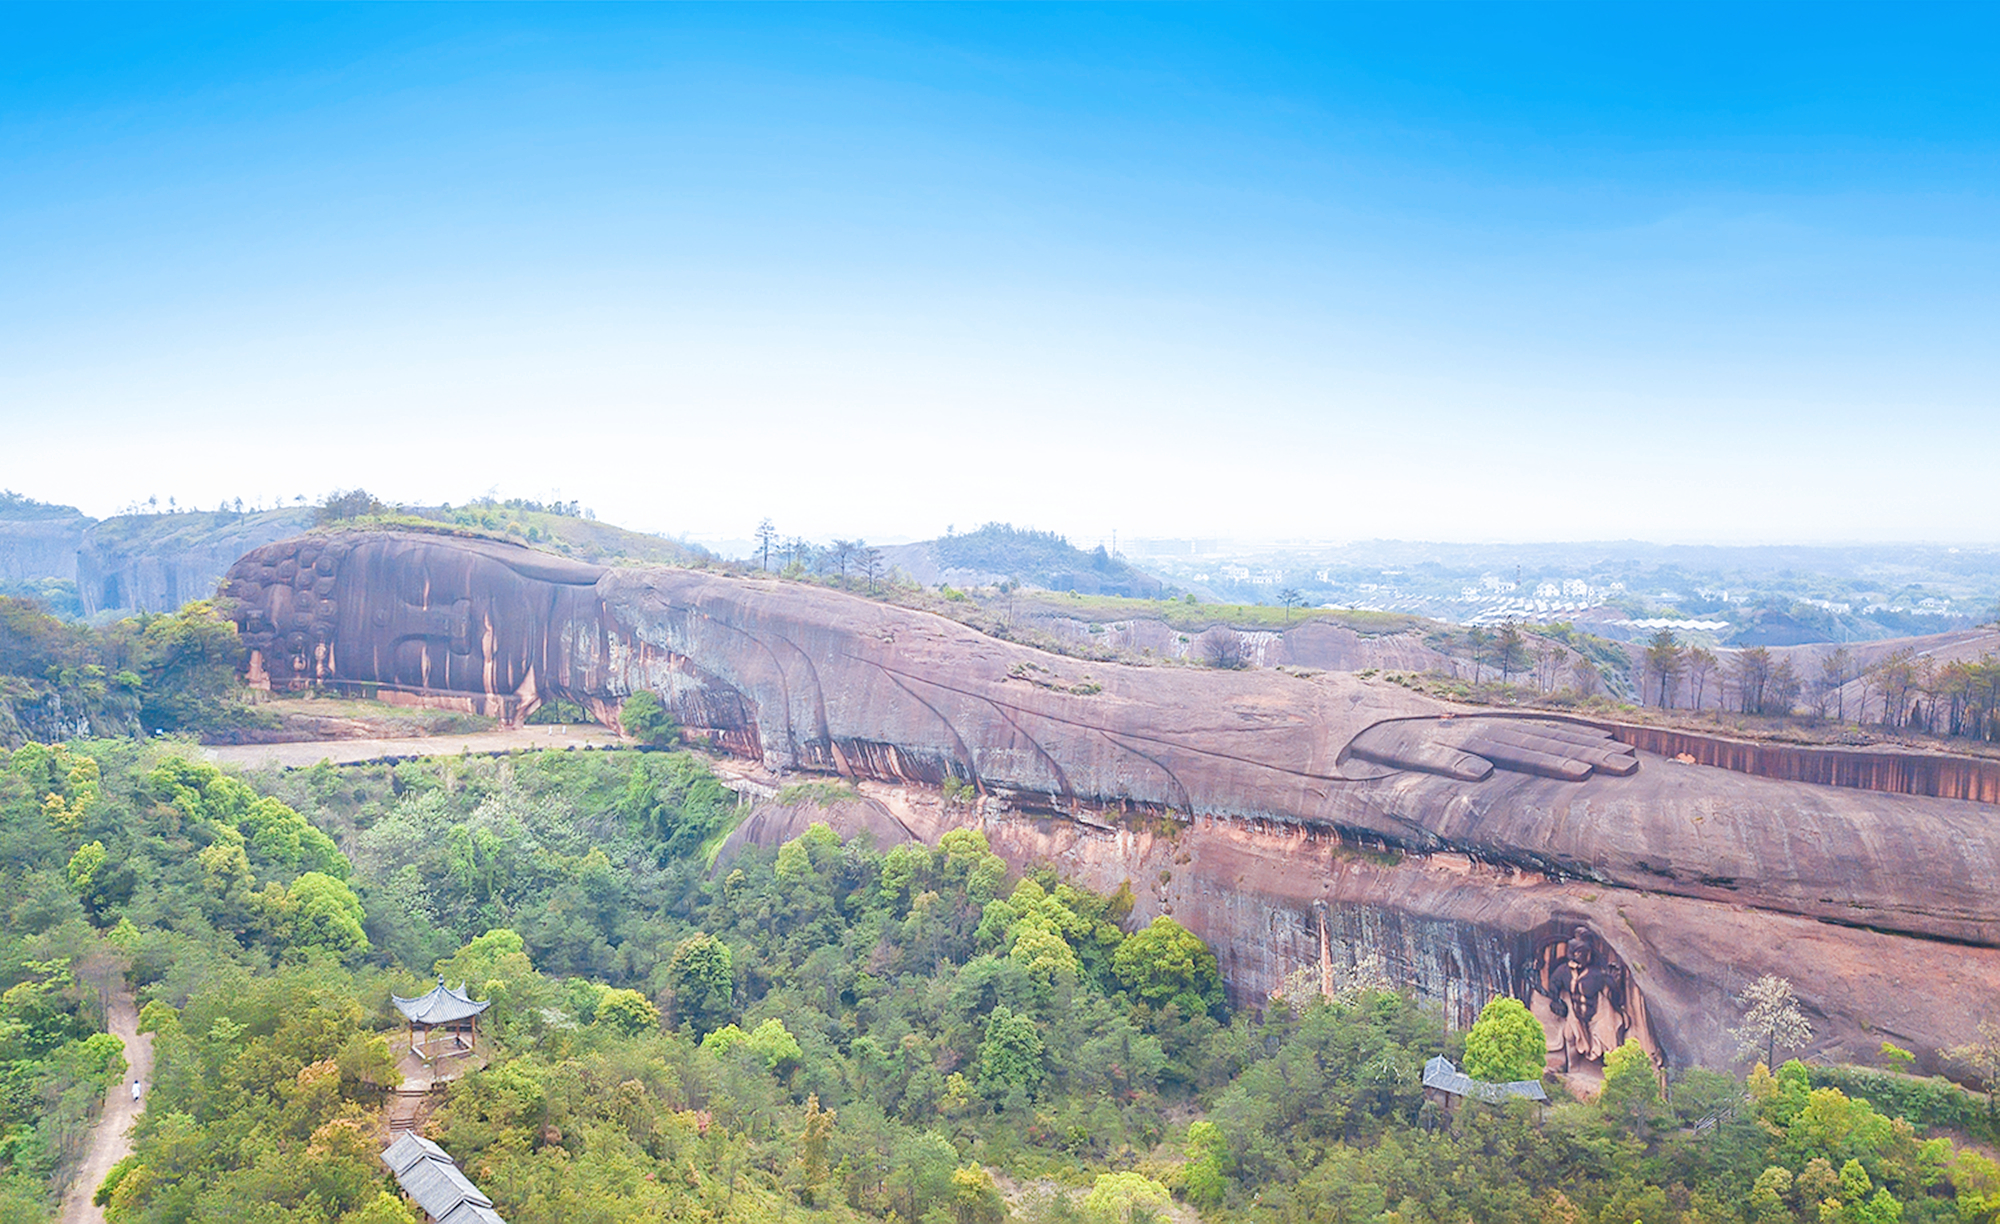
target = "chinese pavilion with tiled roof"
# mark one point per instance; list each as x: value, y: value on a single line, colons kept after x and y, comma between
x: 452, y: 1012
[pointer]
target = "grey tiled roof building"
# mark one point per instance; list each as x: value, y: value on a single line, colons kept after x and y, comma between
x: 1441, y: 1076
x: 440, y: 1006
x: 434, y: 1182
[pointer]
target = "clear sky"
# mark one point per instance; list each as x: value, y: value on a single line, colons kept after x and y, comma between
x: 1417, y: 271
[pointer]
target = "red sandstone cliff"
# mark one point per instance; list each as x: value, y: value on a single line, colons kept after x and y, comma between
x: 1288, y: 820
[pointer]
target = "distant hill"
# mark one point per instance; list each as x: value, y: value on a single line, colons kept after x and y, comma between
x: 38, y: 543
x: 79, y: 566
x: 1000, y: 552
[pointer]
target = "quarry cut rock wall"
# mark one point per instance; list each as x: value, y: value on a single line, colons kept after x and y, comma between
x: 156, y: 563
x: 1321, y: 823
x: 1902, y: 773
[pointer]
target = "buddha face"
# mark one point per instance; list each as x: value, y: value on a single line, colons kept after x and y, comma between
x: 443, y: 617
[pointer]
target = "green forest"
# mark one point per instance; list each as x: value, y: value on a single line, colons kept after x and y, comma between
x: 150, y: 674
x: 826, y: 1030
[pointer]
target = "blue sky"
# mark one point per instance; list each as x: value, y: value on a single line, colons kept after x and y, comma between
x: 1487, y: 272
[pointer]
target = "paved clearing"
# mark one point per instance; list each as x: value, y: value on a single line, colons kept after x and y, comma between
x: 348, y: 751
x: 109, y: 1139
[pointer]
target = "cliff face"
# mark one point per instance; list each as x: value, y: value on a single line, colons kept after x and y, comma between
x: 1327, y: 823
x: 1459, y: 932
x: 157, y: 562
x: 32, y: 549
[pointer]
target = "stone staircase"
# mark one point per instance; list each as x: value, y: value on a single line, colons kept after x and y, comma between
x: 404, y: 1106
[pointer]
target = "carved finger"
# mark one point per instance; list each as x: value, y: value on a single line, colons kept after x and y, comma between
x: 1450, y: 762
x: 1528, y: 758
x: 1595, y: 745
x: 1566, y: 733
x: 1618, y: 760
x: 1588, y: 745
x: 1413, y: 745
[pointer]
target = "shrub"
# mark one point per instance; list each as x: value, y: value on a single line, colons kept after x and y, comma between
x: 646, y: 720
x: 1506, y: 1044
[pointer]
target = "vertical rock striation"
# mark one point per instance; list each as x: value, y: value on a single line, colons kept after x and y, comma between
x: 1325, y: 823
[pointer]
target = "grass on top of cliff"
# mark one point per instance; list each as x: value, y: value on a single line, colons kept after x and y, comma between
x: 1805, y: 730
x: 561, y: 530
x: 1194, y: 617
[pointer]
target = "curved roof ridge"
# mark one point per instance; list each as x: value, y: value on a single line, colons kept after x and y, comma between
x: 440, y: 1006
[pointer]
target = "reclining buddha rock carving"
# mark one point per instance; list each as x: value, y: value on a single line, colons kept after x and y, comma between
x: 801, y: 677
x: 484, y: 624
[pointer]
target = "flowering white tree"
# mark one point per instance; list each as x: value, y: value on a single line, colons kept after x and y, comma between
x: 1771, y: 1018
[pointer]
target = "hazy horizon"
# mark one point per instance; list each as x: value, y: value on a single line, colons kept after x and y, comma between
x: 1508, y: 275
x: 1136, y: 545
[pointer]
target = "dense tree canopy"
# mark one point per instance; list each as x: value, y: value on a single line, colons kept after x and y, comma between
x: 169, y: 672
x: 824, y: 1031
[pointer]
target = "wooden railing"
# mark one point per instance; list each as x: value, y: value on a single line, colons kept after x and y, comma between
x: 448, y: 1046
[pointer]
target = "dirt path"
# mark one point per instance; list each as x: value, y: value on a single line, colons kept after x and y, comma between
x: 348, y: 751
x: 109, y: 1140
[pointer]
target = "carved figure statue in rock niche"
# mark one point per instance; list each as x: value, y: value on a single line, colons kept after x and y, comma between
x: 1582, y: 992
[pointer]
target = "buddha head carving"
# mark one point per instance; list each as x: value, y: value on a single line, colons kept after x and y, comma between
x: 445, y: 616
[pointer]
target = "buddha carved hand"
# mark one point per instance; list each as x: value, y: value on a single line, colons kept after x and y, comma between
x: 1471, y: 748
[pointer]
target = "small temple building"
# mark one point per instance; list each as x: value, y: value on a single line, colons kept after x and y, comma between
x: 435, y: 1183
x: 443, y: 1023
x: 1447, y: 1087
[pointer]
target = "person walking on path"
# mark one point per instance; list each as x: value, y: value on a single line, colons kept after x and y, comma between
x: 110, y: 1139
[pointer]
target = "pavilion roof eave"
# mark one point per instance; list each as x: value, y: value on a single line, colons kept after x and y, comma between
x: 441, y: 1006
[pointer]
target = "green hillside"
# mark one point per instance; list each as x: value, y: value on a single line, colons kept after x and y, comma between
x: 823, y: 1031
x: 564, y: 528
x: 1042, y: 559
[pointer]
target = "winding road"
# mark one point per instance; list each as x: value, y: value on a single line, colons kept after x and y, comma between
x: 110, y: 1139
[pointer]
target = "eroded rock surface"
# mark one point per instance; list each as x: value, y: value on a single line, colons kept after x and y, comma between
x: 1296, y: 806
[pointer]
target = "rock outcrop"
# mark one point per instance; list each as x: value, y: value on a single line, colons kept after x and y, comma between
x: 157, y: 562
x: 1294, y: 822
x: 42, y: 545
x: 1316, y: 644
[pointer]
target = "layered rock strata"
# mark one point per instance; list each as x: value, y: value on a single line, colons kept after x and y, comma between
x: 1292, y: 821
